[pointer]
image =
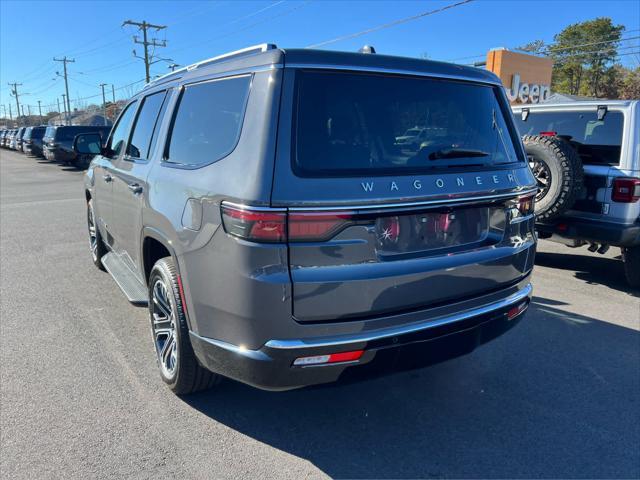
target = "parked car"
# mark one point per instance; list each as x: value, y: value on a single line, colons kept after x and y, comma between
x: 9, y: 138
x: 58, y: 143
x: 3, y: 136
x: 258, y: 204
x: 586, y: 158
x: 4, y: 141
x: 16, y: 141
x: 32, y: 141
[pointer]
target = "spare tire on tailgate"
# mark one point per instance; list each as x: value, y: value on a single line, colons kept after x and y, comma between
x: 558, y: 171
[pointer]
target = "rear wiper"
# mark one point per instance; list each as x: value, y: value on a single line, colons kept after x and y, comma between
x: 456, y: 153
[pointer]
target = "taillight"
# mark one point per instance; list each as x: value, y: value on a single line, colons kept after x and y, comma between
x: 626, y: 190
x: 526, y: 205
x: 276, y: 226
x: 307, y: 227
x: 548, y: 134
x: 255, y: 225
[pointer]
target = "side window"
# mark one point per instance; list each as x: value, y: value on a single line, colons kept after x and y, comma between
x: 208, y: 121
x: 120, y: 132
x: 145, y: 123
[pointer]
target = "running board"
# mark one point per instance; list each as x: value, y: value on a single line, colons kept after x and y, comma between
x: 135, y: 291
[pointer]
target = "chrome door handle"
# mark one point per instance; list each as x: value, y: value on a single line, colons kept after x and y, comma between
x: 107, y: 178
x: 135, y: 188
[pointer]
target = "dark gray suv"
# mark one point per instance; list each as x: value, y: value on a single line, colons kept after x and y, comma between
x: 262, y: 207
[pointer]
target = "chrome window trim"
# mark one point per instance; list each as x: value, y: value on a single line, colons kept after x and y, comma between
x: 415, y: 73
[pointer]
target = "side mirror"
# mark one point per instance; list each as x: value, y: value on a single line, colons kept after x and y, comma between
x: 88, y: 144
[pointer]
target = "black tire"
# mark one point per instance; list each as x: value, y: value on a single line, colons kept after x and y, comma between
x: 558, y: 170
x: 182, y: 372
x: 96, y: 245
x: 631, y: 259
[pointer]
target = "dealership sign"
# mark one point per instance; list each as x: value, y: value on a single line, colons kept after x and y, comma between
x: 522, y: 92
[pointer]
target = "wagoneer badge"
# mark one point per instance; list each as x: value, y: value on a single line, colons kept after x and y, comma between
x: 451, y: 183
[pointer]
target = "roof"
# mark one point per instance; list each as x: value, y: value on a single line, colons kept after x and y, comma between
x: 270, y: 56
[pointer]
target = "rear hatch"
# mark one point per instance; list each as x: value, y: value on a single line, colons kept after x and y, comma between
x: 379, y: 225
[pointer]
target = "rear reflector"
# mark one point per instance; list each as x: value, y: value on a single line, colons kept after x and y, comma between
x: 331, y: 358
x: 548, y: 134
x: 517, y: 310
x: 626, y: 190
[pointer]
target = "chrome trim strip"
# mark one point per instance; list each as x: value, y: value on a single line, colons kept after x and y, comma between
x: 526, y: 292
x: 239, y: 206
x: 416, y: 204
x: 416, y: 73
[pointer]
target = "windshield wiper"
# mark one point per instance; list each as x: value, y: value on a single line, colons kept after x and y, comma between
x: 456, y: 153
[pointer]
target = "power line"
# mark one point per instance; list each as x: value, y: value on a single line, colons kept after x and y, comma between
x: 246, y: 27
x: 558, y: 48
x: 390, y: 24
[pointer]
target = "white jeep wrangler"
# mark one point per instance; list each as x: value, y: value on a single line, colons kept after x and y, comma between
x: 586, y: 159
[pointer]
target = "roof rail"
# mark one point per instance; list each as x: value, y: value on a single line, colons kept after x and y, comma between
x: 243, y: 52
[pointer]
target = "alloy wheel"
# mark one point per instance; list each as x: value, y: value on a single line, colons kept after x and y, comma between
x: 542, y: 173
x: 163, y: 324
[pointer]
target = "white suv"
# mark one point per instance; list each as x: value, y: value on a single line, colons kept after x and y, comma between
x: 586, y: 158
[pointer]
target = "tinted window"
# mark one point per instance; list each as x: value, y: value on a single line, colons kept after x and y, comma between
x: 362, y: 124
x: 37, y: 133
x: 597, y: 141
x: 208, y: 122
x: 120, y: 132
x: 145, y: 123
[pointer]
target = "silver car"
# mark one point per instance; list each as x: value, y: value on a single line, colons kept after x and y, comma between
x: 259, y: 204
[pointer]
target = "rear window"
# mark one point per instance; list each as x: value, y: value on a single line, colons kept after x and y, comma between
x: 596, y: 141
x: 364, y: 124
x: 27, y: 134
x: 208, y: 122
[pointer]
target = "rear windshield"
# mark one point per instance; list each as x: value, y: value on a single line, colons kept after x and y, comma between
x: 366, y: 124
x: 597, y: 141
x: 27, y: 134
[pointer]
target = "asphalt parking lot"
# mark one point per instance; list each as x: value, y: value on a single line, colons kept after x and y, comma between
x: 558, y: 396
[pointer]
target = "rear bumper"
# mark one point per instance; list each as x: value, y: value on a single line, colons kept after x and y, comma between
x: 401, y: 347
x: 597, y: 232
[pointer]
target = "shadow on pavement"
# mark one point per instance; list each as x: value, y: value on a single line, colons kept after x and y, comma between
x: 557, y: 396
x: 591, y: 269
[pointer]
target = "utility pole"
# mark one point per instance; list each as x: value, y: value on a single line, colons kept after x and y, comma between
x: 14, y: 92
x: 104, y: 105
x: 40, y: 111
x: 64, y: 61
x: 59, y: 112
x: 10, y: 114
x: 144, y: 26
x: 113, y: 93
x: 64, y: 104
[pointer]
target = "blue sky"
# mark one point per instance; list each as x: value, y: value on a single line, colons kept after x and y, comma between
x: 32, y: 33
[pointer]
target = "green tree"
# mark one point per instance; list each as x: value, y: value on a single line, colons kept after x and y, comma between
x: 537, y: 46
x: 582, y: 61
x: 630, y: 88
